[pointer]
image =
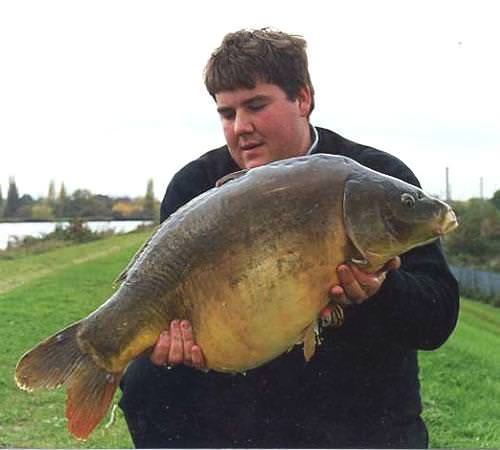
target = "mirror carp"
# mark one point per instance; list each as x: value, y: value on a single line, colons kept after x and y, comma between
x: 249, y: 264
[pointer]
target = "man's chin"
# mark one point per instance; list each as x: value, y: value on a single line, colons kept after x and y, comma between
x: 255, y: 160
x: 253, y: 164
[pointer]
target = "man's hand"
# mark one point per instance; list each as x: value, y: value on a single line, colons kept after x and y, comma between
x: 177, y: 346
x: 356, y: 286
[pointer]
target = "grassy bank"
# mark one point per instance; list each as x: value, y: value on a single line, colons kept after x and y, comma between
x: 41, y: 293
x: 461, y: 382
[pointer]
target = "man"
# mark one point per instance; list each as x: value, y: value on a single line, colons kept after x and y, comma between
x: 361, y: 388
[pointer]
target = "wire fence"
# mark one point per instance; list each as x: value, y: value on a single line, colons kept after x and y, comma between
x: 478, y: 283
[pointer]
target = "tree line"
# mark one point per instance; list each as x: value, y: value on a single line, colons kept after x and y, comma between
x: 81, y: 203
x: 476, y: 242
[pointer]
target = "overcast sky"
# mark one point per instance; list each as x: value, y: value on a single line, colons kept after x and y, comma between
x: 105, y: 94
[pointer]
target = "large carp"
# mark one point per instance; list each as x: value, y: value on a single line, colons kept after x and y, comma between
x: 249, y: 263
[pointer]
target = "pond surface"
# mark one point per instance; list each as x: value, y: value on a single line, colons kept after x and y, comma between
x: 21, y: 229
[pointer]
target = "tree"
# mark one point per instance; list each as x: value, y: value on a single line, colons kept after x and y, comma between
x: 149, y: 207
x: 41, y: 211
x: 496, y: 199
x: 24, y: 208
x: 126, y: 209
x: 12, y: 202
x: 79, y: 204
x: 470, y: 238
x: 102, y: 206
x: 51, y: 196
x: 61, y: 201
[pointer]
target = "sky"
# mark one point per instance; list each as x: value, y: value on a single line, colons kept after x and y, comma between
x: 104, y: 95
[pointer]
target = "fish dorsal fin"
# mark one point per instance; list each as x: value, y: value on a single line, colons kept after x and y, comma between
x: 230, y: 176
x: 123, y: 274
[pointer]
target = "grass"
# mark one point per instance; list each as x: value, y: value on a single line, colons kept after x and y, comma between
x: 461, y: 382
x: 41, y: 293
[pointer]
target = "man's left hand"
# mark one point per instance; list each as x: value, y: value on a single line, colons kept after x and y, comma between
x: 356, y: 286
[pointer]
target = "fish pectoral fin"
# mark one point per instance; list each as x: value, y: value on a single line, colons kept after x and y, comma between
x: 229, y: 177
x: 334, y: 318
x: 309, y: 341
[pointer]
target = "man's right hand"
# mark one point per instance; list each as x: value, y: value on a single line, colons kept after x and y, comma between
x: 177, y: 346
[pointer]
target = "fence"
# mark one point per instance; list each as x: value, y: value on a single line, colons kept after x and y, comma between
x: 478, y: 283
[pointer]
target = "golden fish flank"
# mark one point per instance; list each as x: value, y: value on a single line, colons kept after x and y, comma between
x: 249, y: 263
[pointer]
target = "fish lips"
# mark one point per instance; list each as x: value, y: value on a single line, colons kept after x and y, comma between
x: 449, y: 223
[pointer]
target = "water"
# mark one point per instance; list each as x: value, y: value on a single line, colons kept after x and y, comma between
x: 37, y: 229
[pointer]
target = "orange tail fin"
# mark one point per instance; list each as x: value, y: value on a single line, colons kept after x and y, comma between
x: 90, y: 391
x: 58, y: 360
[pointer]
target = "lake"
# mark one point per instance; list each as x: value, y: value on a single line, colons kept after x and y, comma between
x: 22, y: 229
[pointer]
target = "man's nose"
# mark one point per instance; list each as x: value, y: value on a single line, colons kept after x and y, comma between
x: 242, y: 123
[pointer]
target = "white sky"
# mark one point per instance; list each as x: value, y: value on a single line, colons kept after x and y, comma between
x: 105, y: 94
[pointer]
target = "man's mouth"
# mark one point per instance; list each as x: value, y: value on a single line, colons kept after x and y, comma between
x: 250, y: 146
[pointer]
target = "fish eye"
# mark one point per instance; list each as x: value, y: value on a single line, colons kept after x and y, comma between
x: 420, y: 196
x: 408, y: 200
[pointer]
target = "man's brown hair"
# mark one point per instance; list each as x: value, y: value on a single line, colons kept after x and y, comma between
x: 246, y: 57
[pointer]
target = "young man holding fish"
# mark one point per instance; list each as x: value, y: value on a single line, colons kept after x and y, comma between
x: 361, y: 387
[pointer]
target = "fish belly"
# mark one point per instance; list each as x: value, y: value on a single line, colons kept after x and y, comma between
x: 249, y: 319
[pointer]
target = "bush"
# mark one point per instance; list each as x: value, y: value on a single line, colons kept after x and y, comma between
x: 76, y: 232
x: 476, y: 242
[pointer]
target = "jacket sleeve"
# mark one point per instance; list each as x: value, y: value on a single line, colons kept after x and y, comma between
x: 186, y: 184
x: 418, y: 303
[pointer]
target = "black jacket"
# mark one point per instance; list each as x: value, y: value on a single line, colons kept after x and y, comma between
x: 361, y: 388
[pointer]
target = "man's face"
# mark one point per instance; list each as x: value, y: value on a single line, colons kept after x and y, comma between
x: 262, y: 125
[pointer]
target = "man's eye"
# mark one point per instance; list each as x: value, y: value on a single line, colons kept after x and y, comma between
x: 256, y: 106
x: 227, y: 115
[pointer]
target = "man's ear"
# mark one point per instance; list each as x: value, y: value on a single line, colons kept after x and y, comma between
x: 304, y: 99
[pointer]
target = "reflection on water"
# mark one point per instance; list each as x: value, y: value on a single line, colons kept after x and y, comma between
x: 37, y: 229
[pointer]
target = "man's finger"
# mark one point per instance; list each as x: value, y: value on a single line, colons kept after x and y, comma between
x: 352, y: 287
x: 198, y: 358
x: 159, y: 356
x: 176, y: 354
x: 187, y: 340
x: 370, y: 282
x: 337, y: 295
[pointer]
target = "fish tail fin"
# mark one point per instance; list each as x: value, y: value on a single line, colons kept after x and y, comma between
x: 89, y: 394
x: 50, y: 363
x: 59, y: 361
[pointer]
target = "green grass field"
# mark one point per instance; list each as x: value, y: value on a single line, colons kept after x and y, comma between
x: 39, y: 294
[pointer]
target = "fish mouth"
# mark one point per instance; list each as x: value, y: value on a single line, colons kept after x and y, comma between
x: 448, y: 223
